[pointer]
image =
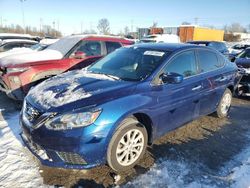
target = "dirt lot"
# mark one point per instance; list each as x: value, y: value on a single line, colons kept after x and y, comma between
x: 206, y: 145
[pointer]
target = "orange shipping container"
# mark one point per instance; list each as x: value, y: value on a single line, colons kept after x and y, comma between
x: 192, y: 33
x: 156, y: 30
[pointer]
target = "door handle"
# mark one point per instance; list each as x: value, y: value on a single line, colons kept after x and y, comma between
x: 196, y: 88
x: 222, y: 79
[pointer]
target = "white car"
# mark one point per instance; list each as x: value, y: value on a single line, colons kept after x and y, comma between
x: 159, y: 38
x: 238, y: 48
x: 9, y: 44
x: 4, y: 36
x: 44, y: 43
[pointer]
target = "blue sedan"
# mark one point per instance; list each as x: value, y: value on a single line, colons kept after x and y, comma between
x: 111, y: 111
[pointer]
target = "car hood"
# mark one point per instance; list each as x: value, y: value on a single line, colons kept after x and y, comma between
x: 15, y: 51
x: 30, y: 57
x: 76, y: 89
x: 243, y: 62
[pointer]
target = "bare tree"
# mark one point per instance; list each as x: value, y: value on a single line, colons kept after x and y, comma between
x: 185, y: 23
x: 103, y: 26
x: 235, y: 27
x: 46, y: 31
x: 91, y: 31
x: 154, y: 24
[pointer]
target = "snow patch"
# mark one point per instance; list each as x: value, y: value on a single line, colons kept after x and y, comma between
x: 15, y: 51
x: 241, y: 175
x: 63, y: 89
x: 17, y: 166
x: 30, y: 57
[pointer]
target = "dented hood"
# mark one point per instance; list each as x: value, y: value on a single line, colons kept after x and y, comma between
x: 77, y: 89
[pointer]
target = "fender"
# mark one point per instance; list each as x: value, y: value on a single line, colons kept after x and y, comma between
x: 125, y: 107
x: 45, y: 74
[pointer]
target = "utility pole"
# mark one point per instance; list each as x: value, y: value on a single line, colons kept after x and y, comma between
x: 23, y: 15
x: 81, y: 27
x: 1, y: 21
x: 58, y: 25
x: 54, y: 28
x: 132, y: 25
x: 196, y: 20
x: 40, y: 29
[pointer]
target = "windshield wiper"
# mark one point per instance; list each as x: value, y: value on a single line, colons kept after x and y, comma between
x: 105, y: 74
x: 111, y: 76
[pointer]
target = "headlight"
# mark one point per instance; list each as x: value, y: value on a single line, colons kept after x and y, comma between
x: 11, y: 70
x: 74, y: 120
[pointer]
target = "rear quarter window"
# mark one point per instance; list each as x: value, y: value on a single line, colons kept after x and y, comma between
x: 208, y: 61
x: 112, y: 46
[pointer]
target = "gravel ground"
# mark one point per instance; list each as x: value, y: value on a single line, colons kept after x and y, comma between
x: 202, y: 153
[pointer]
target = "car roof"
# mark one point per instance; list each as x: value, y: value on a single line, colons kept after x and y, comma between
x: 17, y: 40
x: 15, y: 35
x: 94, y: 35
x: 203, y: 41
x: 167, y: 46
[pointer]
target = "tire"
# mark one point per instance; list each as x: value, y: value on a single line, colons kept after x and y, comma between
x: 225, y: 104
x: 130, y: 153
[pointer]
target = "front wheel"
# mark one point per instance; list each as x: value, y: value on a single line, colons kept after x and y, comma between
x: 127, y: 145
x: 225, y: 104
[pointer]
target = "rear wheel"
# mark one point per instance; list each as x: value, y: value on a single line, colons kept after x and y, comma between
x: 225, y: 104
x: 127, y: 145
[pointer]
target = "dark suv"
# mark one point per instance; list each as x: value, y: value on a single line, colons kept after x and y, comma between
x: 111, y: 111
x: 219, y: 46
x: 243, y: 62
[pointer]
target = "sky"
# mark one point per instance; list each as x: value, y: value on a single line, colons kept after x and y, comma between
x: 74, y: 16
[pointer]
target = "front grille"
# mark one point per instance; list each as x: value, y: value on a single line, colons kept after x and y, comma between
x: 2, y: 71
x: 245, y: 79
x: 71, y: 158
x: 31, y: 113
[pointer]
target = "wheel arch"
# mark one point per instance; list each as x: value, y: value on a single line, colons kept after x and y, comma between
x: 143, y: 117
x: 231, y: 88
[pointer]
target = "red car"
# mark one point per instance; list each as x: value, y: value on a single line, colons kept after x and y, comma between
x: 18, y: 73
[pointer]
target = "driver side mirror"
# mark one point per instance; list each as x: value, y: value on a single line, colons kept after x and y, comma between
x: 79, y: 55
x: 171, y: 78
x: 233, y: 59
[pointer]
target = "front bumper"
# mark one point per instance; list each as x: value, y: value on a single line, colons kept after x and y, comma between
x: 244, y: 85
x: 74, y: 149
x: 16, y: 94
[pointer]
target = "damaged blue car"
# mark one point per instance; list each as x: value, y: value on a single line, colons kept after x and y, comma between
x: 111, y: 111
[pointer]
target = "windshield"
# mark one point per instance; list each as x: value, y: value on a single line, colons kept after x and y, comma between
x: 38, y: 47
x: 130, y: 64
x: 64, y: 45
x: 244, y: 54
x: 147, y: 41
x: 150, y: 37
x: 240, y: 46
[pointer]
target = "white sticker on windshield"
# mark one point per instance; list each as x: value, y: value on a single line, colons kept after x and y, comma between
x: 154, y: 53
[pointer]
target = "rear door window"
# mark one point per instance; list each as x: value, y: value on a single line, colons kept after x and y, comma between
x: 10, y: 46
x: 184, y: 64
x: 112, y: 46
x: 208, y: 61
